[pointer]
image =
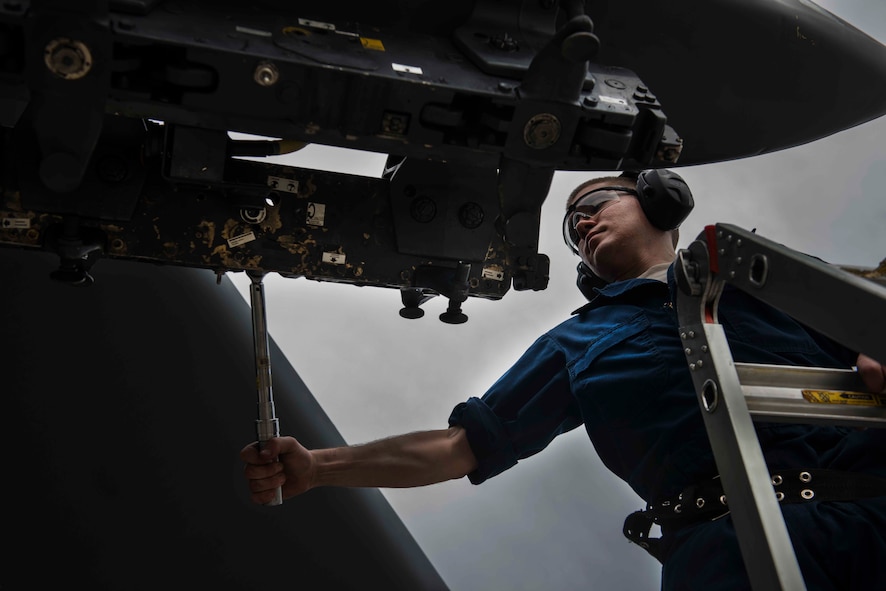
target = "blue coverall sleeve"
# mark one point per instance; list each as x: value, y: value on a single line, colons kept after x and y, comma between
x: 521, y: 413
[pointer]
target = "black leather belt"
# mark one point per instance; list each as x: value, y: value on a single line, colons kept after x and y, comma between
x: 707, y: 501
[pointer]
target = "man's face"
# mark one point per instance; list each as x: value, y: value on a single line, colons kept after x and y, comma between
x: 612, y: 239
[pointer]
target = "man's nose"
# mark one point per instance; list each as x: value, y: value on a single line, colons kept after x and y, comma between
x: 584, y: 224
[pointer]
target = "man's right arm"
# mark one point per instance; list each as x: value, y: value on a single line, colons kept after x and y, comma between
x: 413, y: 459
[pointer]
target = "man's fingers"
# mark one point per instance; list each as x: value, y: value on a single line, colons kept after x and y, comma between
x: 267, y: 452
x: 272, y: 483
x: 872, y: 373
x: 263, y: 471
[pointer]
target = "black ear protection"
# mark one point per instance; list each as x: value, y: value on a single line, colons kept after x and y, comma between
x: 666, y: 201
x: 664, y: 196
x: 587, y: 281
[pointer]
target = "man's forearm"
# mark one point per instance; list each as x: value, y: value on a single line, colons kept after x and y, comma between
x: 414, y: 459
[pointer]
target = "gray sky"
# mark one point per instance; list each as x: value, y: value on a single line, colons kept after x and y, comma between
x: 554, y: 521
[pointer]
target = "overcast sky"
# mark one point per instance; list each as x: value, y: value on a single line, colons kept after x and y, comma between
x: 554, y: 521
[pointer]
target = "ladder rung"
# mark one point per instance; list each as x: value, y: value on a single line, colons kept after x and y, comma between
x: 774, y: 393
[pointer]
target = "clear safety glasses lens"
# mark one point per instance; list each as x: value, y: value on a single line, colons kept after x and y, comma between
x: 585, y: 208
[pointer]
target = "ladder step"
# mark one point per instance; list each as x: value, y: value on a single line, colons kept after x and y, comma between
x: 790, y: 394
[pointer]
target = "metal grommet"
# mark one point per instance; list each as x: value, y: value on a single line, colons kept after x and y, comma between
x: 722, y: 499
x: 680, y: 497
x: 666, y: 504
x: 779, y: 496
x: 777, y: 480
x: 805, y: 477
x: 678, y: 508
x: 807, y: 494
x: 699, y: 502
x: 644, y: 544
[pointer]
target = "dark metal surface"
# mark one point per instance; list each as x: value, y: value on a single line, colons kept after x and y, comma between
x: 478, y: 103
x: 124, y: 408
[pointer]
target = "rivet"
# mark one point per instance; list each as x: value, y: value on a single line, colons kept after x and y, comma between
x: 688, y: 351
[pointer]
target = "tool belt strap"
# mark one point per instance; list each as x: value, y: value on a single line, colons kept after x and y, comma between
x: 707, y: 501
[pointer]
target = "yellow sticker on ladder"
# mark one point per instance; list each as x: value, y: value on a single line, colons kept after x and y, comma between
x: 839, y: 397
x: 375, y: 44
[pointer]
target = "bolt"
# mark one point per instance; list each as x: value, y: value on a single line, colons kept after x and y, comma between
x: 423, y: 209
x: 471, y: 215
x: 266, y: 74
x: 541, y: 131
x: 67, y: 58
x: 504, y: 42
x: 112, y: 169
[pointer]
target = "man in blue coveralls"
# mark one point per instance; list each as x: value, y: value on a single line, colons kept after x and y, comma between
x: 617, y: 366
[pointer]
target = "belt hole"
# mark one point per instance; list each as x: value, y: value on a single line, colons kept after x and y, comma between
x: 805, y: 477
x: 777, y: 480
x: 807, y: 494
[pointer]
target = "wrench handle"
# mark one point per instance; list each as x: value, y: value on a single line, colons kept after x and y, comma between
x: 266, y: 425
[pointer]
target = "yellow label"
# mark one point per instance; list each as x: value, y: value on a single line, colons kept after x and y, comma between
x: 838, y: 397
x: 375, y: 44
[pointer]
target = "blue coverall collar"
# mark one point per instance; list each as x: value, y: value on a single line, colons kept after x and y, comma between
x: 616, y: 290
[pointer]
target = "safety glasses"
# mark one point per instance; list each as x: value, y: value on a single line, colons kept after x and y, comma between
x: 587, y: 206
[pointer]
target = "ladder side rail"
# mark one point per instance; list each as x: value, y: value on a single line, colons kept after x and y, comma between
x: 842, y: 306
x: 763, y: 538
